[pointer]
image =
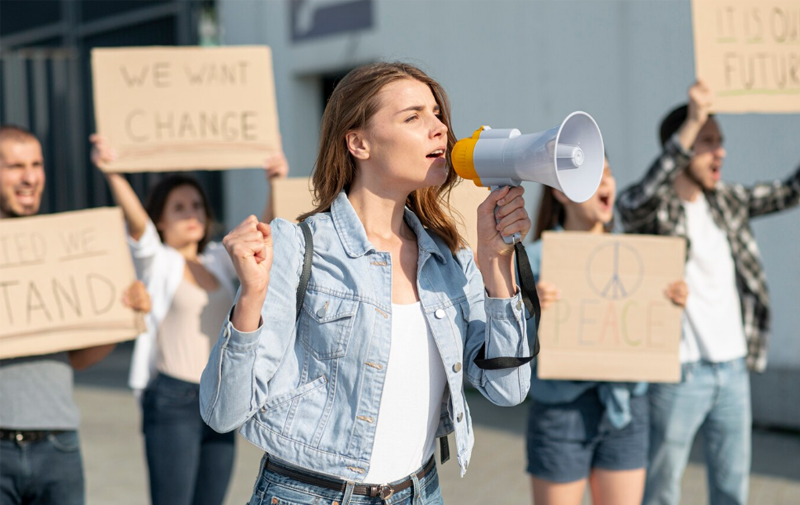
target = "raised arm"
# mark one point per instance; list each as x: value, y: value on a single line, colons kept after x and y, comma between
x: 637, y: 204
x: 261, y: 326
x: 135, y: 215
x: 767, y: 198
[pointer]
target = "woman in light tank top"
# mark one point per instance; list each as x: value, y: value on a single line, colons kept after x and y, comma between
x: 190, y: 280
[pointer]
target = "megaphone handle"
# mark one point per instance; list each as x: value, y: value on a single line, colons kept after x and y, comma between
x: 511, y: 239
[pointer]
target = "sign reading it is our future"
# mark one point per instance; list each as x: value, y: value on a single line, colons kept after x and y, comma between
x: 186, y: 108
x: 748, y: 52
x: 614, y: 321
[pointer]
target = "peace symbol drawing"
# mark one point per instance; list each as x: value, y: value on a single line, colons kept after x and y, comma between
x: 615, y: 271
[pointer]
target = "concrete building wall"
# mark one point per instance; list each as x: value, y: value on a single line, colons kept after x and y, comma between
x: 527, y: 64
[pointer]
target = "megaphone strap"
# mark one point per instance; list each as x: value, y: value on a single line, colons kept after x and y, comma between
x: 530, y: 298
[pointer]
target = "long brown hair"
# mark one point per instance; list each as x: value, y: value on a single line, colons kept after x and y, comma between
x: 551, y: 213
x: 353, y: 103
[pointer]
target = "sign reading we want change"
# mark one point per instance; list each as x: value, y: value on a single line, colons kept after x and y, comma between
x: 186, y: 108
x: 748, y: 52
x: 62, y: 278
x: 613, y: 321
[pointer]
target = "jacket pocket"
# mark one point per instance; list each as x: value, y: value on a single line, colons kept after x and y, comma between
x: 326, y: 324
x: 295, y: 393
x: 296, y: 414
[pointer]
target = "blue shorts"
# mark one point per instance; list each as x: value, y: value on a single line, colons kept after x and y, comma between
x: 566, y: 440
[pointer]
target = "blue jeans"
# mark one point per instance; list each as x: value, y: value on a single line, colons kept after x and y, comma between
x: 44, y: 472
x: 274, y: 489
x: 713, y: 398
x: 188, y: 462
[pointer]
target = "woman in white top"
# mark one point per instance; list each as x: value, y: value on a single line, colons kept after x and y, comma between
x: 348, y: 391
x: 190, y: 280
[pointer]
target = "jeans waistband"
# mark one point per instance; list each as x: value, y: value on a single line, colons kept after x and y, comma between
x: 383, y: 491
x: 27, y: 435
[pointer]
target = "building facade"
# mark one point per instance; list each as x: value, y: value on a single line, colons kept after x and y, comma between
x: 527, y: 64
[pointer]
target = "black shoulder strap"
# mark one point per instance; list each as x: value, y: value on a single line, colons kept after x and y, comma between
x: 306, y: 274
x: 530, y: 298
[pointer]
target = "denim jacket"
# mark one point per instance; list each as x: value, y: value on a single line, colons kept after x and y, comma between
x: 309, y: 392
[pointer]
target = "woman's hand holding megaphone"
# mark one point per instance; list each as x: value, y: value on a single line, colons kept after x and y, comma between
x: 501, y: 214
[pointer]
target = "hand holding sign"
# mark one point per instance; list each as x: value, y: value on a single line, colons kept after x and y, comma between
x: 137, y: 297
x: 102, y: 153
x: 678, y: 293
x: 700, y: 100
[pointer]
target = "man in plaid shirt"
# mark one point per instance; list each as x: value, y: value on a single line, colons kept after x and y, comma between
x: 726, y: 323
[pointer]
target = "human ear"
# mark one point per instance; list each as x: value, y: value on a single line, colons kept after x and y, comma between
x: 357, y: 144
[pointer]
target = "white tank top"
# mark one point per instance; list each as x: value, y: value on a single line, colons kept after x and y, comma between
x: 405, y: 433
x: 712, y: 321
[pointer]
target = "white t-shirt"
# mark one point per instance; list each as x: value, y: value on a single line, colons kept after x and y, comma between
x: 712, y: 322
x: 405, y: 433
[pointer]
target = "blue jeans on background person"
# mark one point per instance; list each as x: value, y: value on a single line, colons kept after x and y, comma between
x: 713, y: 398
x: 272, y: 488
x: 42, y: 472
x: 188, y: 462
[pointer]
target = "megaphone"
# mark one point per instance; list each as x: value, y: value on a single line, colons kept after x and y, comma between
x: 568, y: 157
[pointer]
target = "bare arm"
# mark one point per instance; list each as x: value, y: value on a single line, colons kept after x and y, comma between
x: 135, y: 215
x: 637, y: 204
x: 82, y: 359
x: 135, y: 297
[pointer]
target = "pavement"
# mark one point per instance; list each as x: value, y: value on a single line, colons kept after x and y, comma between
x: 116, y: 474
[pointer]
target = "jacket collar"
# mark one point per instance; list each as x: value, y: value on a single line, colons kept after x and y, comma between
x: 354, y: 237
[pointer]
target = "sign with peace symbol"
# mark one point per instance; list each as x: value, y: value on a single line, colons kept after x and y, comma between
x: 612, y: 321
x: 615, y: 270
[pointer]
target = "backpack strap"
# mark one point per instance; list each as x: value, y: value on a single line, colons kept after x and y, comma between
x: 306, y: 274
x: 530, y: 298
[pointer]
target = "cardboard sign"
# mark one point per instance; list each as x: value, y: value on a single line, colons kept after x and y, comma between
x: 748, y: 51
x: 63, y: 277
x: 613, y: 322
x: 186, y: 108
x: 293, y: 196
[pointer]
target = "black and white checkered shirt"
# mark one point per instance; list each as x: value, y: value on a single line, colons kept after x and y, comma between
x: 652, y: 206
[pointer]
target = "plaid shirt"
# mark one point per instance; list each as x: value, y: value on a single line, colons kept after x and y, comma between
x: 652, y: 206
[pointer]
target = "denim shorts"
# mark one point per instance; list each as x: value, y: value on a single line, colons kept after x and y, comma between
x: 566, y: 440
x: 275, y: 489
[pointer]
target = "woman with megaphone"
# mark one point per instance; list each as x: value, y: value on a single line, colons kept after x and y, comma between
x: 353, y: 333
x: 581, y: 431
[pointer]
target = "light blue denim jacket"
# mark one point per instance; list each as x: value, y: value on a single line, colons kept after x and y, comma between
x: 309, y: 393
